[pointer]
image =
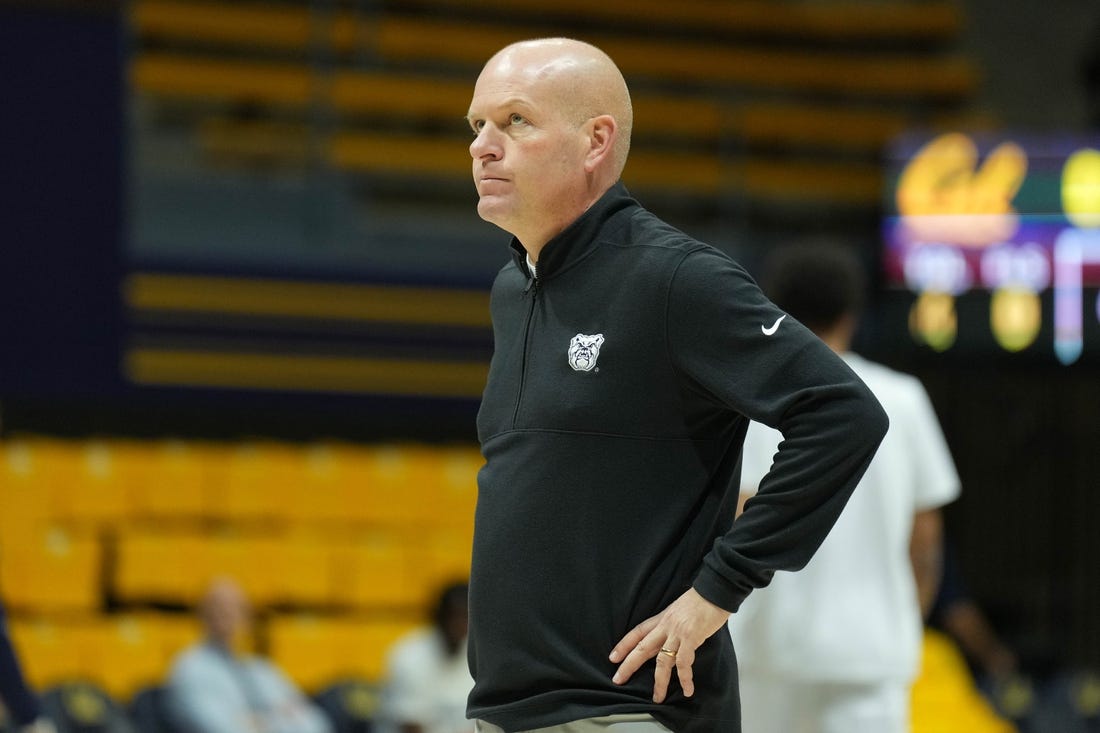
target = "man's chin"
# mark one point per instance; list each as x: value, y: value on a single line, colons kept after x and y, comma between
x: 492, y: 210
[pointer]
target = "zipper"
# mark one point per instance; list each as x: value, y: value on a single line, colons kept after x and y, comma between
x: 533, y: 289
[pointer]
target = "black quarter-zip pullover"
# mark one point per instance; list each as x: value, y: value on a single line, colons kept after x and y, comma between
x: 621, y: 385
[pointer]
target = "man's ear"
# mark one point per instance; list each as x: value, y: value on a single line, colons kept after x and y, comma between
x: 602, y: 133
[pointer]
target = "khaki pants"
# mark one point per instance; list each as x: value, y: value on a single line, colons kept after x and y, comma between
x: 775, y: 705
x: 629, y: 723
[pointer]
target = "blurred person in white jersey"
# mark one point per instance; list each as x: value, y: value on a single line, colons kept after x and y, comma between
x: 427, y: 676
x: 835, y: 648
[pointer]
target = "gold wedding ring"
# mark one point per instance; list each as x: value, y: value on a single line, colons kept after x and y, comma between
x: 669, y: 652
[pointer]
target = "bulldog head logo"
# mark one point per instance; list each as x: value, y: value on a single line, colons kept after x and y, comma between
x: 584, y: 350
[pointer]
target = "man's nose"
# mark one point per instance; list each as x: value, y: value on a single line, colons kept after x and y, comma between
x: 486, y: 143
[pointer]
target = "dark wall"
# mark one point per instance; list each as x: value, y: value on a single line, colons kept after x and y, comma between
x: 1025, y: 440
x: 63, y: 197
x: 1031, y: 54
x: 61, y: 183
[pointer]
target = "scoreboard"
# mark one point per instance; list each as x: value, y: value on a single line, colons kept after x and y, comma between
x: 1011, y: 219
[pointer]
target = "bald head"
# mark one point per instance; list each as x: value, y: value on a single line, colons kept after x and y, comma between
x: 224, y: 611
x: 582, y: 80
x: 551, y: 121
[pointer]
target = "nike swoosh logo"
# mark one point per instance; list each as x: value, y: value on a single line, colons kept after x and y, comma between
x: 775, y: 326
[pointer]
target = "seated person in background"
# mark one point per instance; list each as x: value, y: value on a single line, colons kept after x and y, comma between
x: 427, y: 675
x: 958, y: 615
x: 18, y: 704
x: 216, y: 688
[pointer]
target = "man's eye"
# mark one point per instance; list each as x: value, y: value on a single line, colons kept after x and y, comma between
x: 517, y: 119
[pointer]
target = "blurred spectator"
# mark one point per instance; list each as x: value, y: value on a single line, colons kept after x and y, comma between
x: 958, y: 615
x: 17, y: 699
x: 216, y: 687
x: 835, y: 648
x: 427, y: 675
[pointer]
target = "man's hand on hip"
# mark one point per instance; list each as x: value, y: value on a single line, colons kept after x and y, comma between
x: 671, y: 637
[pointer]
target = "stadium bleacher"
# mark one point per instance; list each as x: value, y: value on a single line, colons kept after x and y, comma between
x: 339, y: 547
x: 717, y: 86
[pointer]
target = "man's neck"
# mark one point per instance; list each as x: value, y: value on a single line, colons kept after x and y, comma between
x: 222, y: 647
x: 534, y: 244
x: 839, y: 337
x: 532, y: 250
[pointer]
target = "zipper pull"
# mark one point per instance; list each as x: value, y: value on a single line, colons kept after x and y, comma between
x: 532, y: 283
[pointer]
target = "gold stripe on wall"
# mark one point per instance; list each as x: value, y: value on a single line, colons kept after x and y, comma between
x: 164, y: 367
x: 291, y: 298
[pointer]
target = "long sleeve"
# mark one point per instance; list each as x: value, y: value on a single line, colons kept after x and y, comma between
x: 203, y: 697
x: 288, y: 710
x: 734, y: 345
x: 209, y: 693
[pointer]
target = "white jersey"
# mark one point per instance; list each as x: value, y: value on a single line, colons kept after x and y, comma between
x: 426, y: 686
x: 852, y: 613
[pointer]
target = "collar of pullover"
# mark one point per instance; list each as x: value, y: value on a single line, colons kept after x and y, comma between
x: 577, y: 239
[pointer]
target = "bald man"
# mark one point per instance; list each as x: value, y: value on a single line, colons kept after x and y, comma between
x: 216, y: 687
x: 629, y: 359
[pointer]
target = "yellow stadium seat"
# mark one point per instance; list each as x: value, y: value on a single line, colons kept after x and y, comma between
x: 302, y: 567
x: 386, y: 485
x: 402, y: 484
x: 330, y: 486
x: 168, y: 479
x: 177, y: 632
x: 945, y: 698
x: 374, y: 571
x: 458, y: 487
x: 307, y: 649
x: 249, y: 559
x: 50, y: 652
x: 28, y: 475
x: 441, y: 558
x: 120, y: 653
x: 125, y: 653
x: 90, y: 486
x: 254, y: 482
x: 55, y: 570
x: 155, y: 565
x: 316, y: 651
x: 176, y: 566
